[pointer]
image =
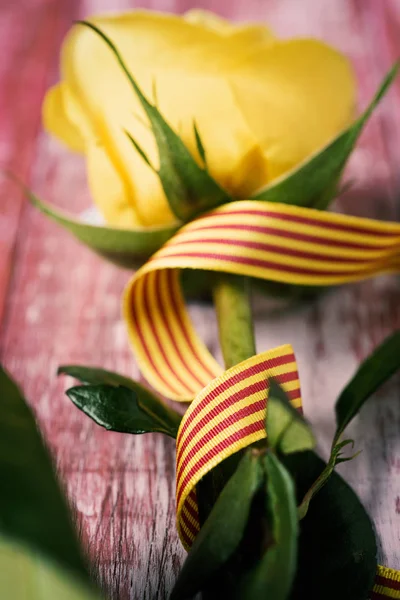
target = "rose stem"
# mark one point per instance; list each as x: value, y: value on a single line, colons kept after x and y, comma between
x: 231, y: 295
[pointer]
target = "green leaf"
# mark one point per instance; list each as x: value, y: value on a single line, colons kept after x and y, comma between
x: 33, y: 510
x: 286, y: 429
x: 313, y: 184
x: 145, y: 401
x: 120, y: 409
x: 189, y: 189
x: 273, y: 575
x: 25, y: 575
x: 221, y: 533
x: 373, y: 372
x: 124, y: 247
x: 337, y: 546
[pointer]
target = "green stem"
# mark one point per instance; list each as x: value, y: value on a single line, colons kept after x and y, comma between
x: 231, y: 297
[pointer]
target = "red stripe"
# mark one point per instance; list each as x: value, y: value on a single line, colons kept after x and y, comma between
x: 143, y: 341
x: 226, y: 384
x: 368, y: 228
x: 193, y: 527
x: 232, y: 419
x: 387, y: 582
x: 226, y: 443
x: 292, y: 235
x: 267, y: 264
x: 378, y: 596
x: 178, y: 317
x: 191, y: 511
x: 146, y: 306
x: 264, y: 247
x: 187, y: 539
x: 166, y: 323
x: 231, y: 401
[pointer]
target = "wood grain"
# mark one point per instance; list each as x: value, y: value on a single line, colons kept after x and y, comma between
x: 63, y: 303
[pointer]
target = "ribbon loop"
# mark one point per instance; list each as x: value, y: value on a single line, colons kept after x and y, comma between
x: 276, y: 242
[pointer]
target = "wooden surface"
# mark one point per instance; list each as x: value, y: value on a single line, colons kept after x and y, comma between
x: 62, y: 304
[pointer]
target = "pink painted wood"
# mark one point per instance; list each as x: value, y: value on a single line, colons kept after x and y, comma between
x: 62, y: 303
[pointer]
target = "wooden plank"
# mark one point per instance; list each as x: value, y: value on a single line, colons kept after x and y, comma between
x: 64, y: 306
x: 27, y: 55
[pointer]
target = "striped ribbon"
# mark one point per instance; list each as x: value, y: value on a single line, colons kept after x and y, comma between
x: 276, y: 242
x: 387, y: 584
x: 226, y: 416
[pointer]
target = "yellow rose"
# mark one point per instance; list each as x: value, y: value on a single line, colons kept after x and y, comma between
x: 261, y: 105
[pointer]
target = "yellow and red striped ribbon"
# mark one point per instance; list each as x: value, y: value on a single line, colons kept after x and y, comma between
x: 387, y: 584
x: 226, y: 416
x: 276, y: 242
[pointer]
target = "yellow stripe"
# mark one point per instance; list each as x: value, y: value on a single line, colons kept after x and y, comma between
x: 189, y: 518
x: 234, y: 389
x: 248, y: 401
x: 311, y: 213
x: 278, y: 258
x: 165, y: 340
x: 189, y: 442
x: 186, y: 440
x: 389, y: 593
x: 243, y: 443
x: 267, y: 238
x: 392, y: 575
x: 230, y: 430
x: 369, y: 237
x: 388, y: 573
x: 224, y: 266
x: 184, y: 347
x: 158, y: 359
x: 199, y: 346
x: 180, y: 525
x: 151, y: 374
x: 190, y: 501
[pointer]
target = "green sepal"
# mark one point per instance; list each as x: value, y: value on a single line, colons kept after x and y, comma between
x: 273, y: 574
x: 287, y: 430
x: 189, y: 188
x: 33, y: 510
x: 314, y: 183
x: 222, y: 532
x: 337, y: 556
x: 124, y: 247
x: 119, y: 403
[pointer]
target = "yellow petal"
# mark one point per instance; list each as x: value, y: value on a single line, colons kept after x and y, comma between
x: 57, y: 121
x: 248, y: 32
x: 209, y: 20
x: 108, y: 189
x: 186, y: 93
x: 295, y: 96
x: 234, y: 157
